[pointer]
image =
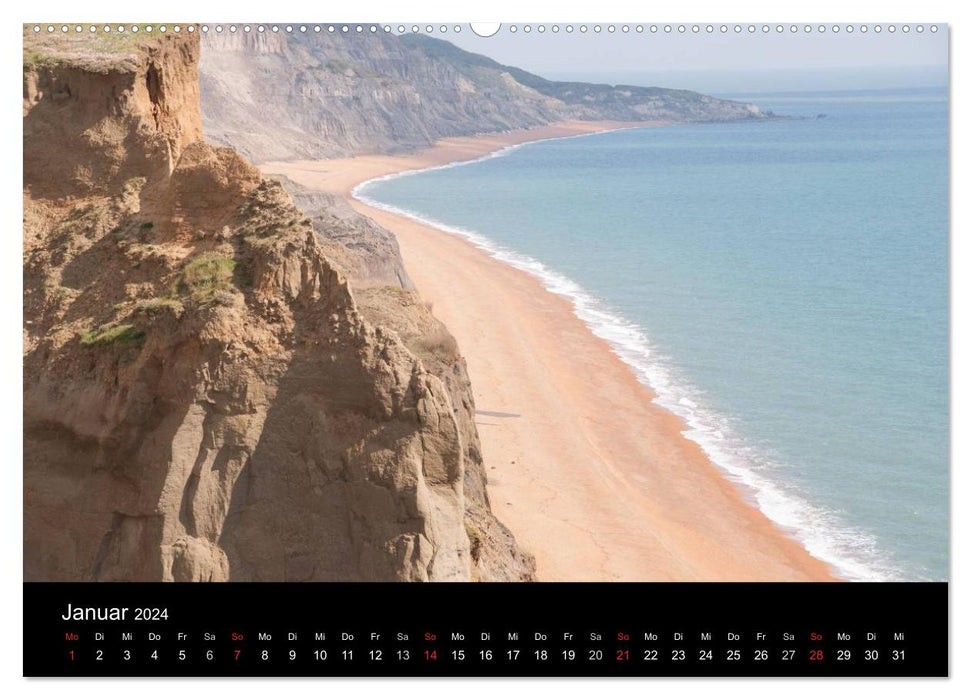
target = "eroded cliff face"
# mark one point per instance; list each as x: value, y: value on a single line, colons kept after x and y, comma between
x: 203, y: 398
x: 495, y: 554
x: 94, y: 117
x: 368, y: 256
x: 276, y: 96
x: 365, y: 253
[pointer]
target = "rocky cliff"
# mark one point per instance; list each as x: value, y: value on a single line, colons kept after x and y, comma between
x: 364, y: 252
x: 204, y: 398
x: 277, y: 96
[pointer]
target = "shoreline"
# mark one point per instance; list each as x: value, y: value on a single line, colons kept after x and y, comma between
x: 590, y: 474
x: 343, y: 175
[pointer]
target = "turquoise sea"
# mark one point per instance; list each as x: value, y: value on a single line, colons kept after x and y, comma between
x: 781, y: 285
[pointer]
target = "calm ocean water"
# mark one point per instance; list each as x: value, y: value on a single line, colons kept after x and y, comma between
x: 782, y: 286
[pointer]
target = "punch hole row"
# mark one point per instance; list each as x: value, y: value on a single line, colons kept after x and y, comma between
x: 512, y: 28
x: 720, y: 29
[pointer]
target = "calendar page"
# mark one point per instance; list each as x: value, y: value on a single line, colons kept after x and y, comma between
x: 614, y: 339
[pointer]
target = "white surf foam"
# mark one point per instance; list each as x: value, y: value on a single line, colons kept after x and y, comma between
x: 851, y: 552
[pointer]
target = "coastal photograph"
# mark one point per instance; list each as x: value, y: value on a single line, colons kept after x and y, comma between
x: 505, y: 303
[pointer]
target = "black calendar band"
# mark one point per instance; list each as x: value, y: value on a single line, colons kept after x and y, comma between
x: 564, y: 629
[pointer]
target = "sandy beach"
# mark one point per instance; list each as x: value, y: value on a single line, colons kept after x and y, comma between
x: 591, y: 476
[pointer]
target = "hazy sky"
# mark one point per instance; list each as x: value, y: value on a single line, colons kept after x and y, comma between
x: 725, y: 62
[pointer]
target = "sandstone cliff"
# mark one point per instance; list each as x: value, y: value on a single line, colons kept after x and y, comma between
x: 277, y: 96
x: 204, y: 399
x: 368, y: 256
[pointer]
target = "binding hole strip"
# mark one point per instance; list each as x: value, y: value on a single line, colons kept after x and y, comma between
x: 580, y: 29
